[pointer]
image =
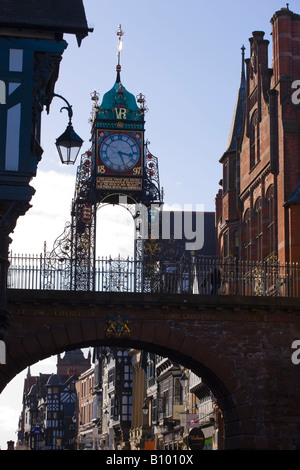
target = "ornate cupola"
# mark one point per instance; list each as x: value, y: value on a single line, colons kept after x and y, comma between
x: 117, y: 169
x: 118, y: 135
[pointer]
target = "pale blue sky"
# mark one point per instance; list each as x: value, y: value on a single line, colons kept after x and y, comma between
x: 185, y: 57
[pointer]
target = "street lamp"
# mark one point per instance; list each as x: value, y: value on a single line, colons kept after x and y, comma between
x: 69, y: 143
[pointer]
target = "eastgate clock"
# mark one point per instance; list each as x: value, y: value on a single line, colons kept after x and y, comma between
x: 119, y: 152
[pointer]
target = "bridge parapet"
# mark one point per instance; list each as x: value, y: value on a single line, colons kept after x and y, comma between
x: 199, y: 276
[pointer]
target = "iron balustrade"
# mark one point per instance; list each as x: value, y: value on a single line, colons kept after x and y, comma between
x: 201, y: 276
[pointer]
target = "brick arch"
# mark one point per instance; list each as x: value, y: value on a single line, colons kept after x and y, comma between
x: 229, y: 341
x: 165, y: 342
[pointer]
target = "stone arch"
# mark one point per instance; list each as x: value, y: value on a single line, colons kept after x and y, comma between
x: 227, y: 340
x: 49, y: 340
x: 217, y: 387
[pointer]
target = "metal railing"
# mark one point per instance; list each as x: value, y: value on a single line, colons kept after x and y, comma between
x: 202, y: 276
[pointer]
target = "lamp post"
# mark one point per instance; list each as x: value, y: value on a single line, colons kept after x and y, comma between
x: 69, y: 143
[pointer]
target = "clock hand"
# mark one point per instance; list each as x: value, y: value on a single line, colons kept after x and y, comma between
x: 121, y: 156
x: 127, y: 154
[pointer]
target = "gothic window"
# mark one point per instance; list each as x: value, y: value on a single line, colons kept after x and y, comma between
x: 258, y: 228
x: 254, y: 140
x: 236, y: 242
x: 271, y: 219
x: 225, y: 244
x: 247, y: 234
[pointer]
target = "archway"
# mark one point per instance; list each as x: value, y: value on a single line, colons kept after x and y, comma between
x: 229, y: 341
x: 183, y: 422
x: 114, y: 232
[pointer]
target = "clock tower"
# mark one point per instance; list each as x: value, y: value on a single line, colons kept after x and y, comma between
x: 117, y: 169
x: 118, y: 143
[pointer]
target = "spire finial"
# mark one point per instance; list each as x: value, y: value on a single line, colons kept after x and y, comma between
x: 119, y: 33
x: 243, y: 61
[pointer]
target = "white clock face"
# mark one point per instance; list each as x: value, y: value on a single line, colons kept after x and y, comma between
x: 119, y: 152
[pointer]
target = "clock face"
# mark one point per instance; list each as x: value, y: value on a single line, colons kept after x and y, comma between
x: 119, y: 152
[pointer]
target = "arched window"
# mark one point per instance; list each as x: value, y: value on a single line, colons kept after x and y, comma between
x: 254, y: 140
x: 258, y: 228
x: 271, y: 220
x: 247, y: 235
x: 236, y: 242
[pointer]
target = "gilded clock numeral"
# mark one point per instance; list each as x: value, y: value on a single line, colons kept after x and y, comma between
x: 101, y: 169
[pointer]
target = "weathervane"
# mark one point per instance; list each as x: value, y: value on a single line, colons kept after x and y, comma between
x: 120, y: 33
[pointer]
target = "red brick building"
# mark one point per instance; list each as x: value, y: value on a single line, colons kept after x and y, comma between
x: 258, y: 207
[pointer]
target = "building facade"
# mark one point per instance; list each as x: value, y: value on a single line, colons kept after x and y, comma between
x: 104, y: 401
x: 48, y: 417
x: 169, y: 402
x: 31, y: 48
x: 257, y: 209
x: 127, y: 399
x: 84, y: 410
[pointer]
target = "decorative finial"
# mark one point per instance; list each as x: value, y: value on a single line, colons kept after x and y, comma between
x: 142, y: 102
x: 120, y: 33
x: 243, y: 61
x: 95, y: 99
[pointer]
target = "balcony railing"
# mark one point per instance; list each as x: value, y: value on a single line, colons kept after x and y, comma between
x: 202, y: 276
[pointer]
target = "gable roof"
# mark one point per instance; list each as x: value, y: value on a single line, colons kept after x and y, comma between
x: 64, y: 16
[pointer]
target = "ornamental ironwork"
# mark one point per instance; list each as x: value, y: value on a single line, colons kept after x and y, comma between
x: 202, y: 276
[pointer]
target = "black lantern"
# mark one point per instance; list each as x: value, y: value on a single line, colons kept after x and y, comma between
x: 145, y: 408
x: 69, y: 143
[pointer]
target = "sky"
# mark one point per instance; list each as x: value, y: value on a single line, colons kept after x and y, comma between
x: 185, y: 57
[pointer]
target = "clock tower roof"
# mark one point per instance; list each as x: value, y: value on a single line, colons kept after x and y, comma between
x: 119, y: 107
x: 118, y: 103
x: 118, y: 96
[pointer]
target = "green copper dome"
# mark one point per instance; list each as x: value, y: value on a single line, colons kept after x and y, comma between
x: 118, y: 104
x: 118, y: 95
